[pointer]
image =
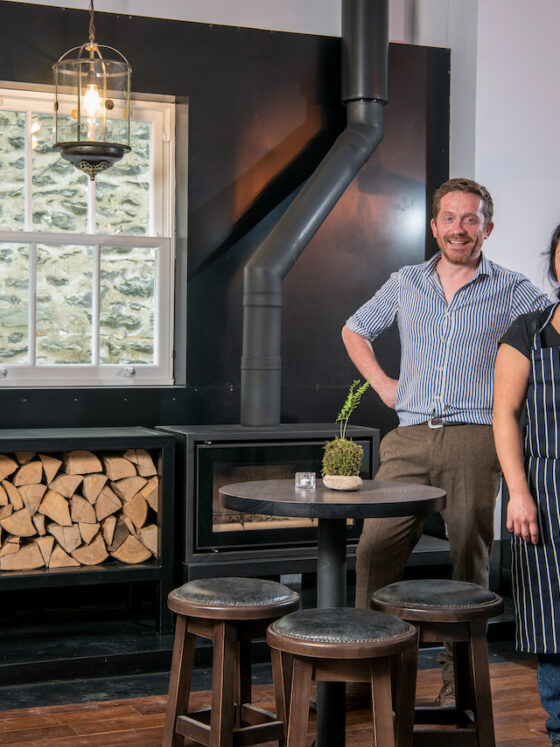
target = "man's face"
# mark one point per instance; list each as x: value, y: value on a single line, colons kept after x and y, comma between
x: 460, y: 228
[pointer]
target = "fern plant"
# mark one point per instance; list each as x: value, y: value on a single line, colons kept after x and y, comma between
x: 352, y: 401
x: 342, y: 456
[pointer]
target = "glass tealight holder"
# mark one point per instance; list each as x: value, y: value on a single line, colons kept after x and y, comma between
x: 305, y: 480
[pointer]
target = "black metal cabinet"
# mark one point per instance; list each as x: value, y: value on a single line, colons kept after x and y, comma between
x: 105, y: 440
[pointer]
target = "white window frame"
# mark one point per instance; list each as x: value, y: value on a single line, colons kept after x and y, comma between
x: 162, y: 218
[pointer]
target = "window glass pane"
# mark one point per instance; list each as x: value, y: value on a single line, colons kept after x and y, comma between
x: 127, y: 306
x: 12, y: 168
x: 64, y: 297
x: 14, y: 300
x: 123, y: 191
x: 117, y: 129
x: 59, y: 188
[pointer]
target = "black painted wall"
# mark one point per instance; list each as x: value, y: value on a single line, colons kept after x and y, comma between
x: 263, y: 110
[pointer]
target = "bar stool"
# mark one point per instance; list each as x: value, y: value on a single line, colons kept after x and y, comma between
x: 458, y: 612
x: 230, y: 612
x: 339, y: 644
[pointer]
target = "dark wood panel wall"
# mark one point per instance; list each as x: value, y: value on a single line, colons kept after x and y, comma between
x: 263, y: 110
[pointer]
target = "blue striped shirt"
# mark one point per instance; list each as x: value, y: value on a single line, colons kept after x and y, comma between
x: 448, y: 351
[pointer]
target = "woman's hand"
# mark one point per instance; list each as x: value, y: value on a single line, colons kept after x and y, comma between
x: 522, y: 516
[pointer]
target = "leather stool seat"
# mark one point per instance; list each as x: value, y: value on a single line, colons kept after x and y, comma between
x: 424, y: 597
x: 248, y: 598
x: 231, y: 612
x: 456, y: 612
x: 338, y: 644
x: 341, y: 625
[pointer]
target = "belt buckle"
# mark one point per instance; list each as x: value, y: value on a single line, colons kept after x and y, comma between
x: 435, y: 423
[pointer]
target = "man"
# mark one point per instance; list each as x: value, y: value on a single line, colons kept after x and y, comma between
x: 451, y: 312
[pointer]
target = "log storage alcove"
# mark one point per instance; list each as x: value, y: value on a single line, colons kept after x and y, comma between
x: 87, y: 505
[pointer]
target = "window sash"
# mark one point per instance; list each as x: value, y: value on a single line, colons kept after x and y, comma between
x: 160, y: 373
x: 162, y: 119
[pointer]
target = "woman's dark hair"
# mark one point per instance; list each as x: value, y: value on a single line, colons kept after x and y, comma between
x: 551, y: 255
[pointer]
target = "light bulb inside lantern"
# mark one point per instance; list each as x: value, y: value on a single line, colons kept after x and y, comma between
x: 92, y: 101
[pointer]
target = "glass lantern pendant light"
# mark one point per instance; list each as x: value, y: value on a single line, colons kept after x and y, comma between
x: 92, y: 106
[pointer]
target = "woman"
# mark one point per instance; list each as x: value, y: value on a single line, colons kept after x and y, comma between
x: 528, y: 377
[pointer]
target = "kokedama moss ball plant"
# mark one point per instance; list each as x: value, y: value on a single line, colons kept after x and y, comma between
x: 342, y: 456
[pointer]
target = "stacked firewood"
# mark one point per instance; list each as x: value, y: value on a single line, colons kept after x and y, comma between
x: 77, y: 508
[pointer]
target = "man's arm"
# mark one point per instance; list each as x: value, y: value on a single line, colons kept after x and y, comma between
x: 362, y: 356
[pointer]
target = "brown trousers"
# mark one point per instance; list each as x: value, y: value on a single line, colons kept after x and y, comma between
x: 460, y: 459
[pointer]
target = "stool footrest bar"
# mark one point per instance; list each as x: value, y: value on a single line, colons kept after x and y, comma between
x: 437, y: 715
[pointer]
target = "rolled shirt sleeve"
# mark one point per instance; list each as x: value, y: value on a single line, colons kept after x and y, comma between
x: 379, y: 312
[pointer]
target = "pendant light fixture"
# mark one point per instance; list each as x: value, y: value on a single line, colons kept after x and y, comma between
x: 92, y: 105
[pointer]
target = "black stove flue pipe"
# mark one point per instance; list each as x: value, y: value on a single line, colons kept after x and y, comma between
x: 364, y: 91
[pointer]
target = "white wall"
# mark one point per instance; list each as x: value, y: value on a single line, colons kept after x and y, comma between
x: 517, y: 139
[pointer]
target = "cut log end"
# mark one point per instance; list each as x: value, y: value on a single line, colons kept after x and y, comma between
x: 81, y: 463
x: 93, y: 554
x: 28, y: 558
x: 132, y: 551
x: 29, y: 474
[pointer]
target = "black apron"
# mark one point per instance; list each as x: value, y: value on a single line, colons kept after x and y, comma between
x: 536, y: 568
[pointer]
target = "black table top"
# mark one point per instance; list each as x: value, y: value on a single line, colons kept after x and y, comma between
x: 375, y: 498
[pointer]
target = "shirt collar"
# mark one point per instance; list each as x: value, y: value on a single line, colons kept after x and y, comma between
x: 484, y: 266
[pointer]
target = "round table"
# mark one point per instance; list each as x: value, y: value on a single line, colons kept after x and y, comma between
x: 332, y: 508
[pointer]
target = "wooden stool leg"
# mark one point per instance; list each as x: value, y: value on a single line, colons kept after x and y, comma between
x: 298, y: 719
x: 481, y: 685
x: 405, y: 696
x: 243, y: 678
x: 382, y: 705
x: 179, y: 681
x: 464, y: 691
x: 224, y: 666
x: 288, y: 669
x: 282, y: 683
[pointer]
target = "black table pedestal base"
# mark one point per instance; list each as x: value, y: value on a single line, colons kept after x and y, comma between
x: 331, y: 592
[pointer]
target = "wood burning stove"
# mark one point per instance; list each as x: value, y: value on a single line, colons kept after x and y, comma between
x: 216, y: 541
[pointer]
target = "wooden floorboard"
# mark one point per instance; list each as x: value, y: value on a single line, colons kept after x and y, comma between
x: 519, y: 717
